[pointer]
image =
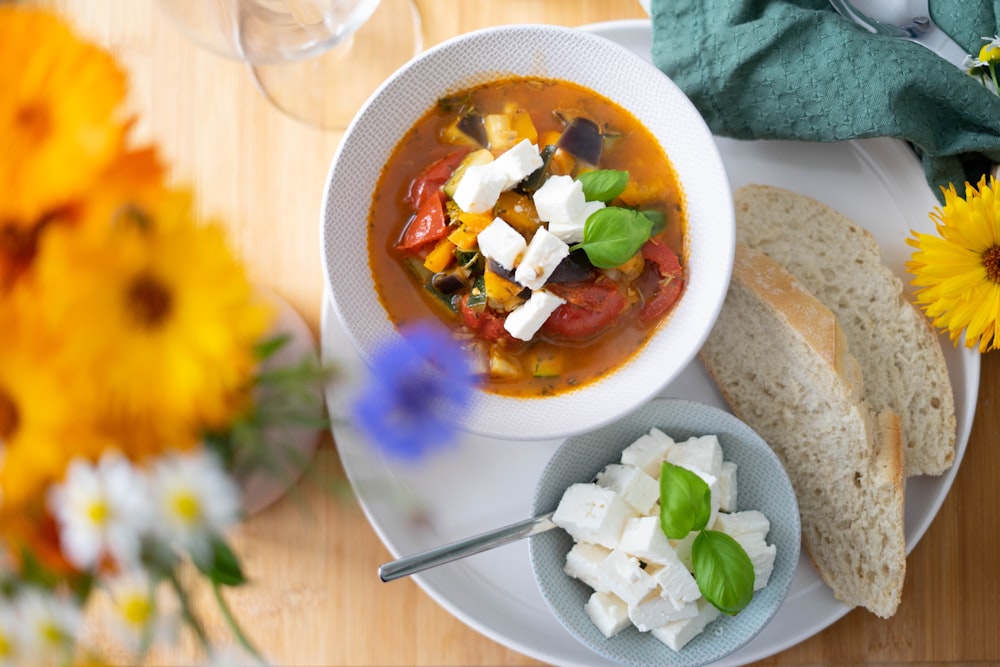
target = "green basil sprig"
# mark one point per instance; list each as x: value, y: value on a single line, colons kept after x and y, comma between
x: 603, y: 184
x: 613, y: 234
x: 722, y: 568
x: 685, y: 501
x: 723, y: 571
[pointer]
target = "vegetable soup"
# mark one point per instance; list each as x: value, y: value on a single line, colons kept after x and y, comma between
x: 541, y: 222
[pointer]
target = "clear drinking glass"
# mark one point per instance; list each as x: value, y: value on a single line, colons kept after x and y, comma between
x: 317, y: 60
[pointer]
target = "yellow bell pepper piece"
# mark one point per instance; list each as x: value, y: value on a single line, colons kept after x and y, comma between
x: 440, y: 256
x: 471, y: 224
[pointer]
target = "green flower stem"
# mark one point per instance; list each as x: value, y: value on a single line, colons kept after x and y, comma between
x: 188, y: 613
x: 993, y: 75
x: 234, y: 625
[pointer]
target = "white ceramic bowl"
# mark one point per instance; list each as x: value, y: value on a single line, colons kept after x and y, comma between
x: 762, y: 484
x: 610, y: 70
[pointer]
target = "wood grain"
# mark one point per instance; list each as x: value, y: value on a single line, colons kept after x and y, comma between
x: 314, y: 598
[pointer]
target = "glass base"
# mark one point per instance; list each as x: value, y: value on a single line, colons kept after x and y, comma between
x: 328, y: 90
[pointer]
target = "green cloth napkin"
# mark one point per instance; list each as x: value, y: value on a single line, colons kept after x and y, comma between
x: 795, y: 69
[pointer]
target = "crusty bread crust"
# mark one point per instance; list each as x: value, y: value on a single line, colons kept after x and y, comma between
x: 779, y: 358
x: 896, y: 347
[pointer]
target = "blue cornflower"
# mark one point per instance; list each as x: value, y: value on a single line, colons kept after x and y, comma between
x: 415, y: 382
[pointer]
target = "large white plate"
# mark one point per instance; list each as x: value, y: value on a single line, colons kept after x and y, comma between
x: 482, y: 483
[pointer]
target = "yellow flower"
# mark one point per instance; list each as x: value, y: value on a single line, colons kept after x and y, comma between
x: 43, y: 424
x: 958, y: 272
x: 157, y: 311
x: 58, y: 124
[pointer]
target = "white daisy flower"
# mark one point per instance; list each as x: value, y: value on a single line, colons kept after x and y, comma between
x: 195, y: 500
x: 141, y: 614
x: 101, y: 511
x: 50, y: 625
x: 11, y: 637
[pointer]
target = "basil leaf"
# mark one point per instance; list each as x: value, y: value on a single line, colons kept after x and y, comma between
x: 603, y: 184
x: 612, y: 235
x: 658, y: 218
x: 723, y: 571
x: 685, y: 501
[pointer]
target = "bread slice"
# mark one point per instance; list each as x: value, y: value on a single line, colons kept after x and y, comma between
x: 841, y: 264
x: 782, y: 363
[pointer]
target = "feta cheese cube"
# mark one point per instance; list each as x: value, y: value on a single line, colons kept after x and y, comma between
x: 582, y: 562
x: 479, y: 188
x: 741, y: 523
x: 540, y: 259
x: 648, y: 452
x: 590, y: 513
x: 524, y: 321
x: 501, y: 243
x: 633, y: 484
x: 676, y: 634
x: 560, y: 199
x: 517, y: 162
x: 571, y: 231
x: 702, y: 453
x: 727, y: 487
x: 644, y: 538
x: 682, y: 548
x: 654, y: 611
x: 761, y: 555
x: 623, y: 575
x: 608, y: 612
x: 676, y: 583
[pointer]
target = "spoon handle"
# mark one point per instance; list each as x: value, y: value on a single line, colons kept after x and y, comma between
x: 447, y: 553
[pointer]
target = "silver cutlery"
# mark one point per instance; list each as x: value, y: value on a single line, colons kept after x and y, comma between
x: 912, y: 22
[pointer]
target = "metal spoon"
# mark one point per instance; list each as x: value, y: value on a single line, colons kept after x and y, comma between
x: 447, y: 553
x: 914, y: 24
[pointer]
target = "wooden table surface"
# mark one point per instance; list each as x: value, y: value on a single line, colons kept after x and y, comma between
x: 315, y: 599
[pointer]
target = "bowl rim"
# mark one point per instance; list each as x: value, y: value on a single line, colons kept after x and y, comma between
x: 577, y: 410
x: 737, y: 434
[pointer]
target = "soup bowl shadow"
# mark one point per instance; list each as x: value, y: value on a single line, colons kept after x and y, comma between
x: 608, y: 69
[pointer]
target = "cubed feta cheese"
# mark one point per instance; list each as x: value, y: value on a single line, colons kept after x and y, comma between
x: 648, y: 452
x: 761, y: 555
x: 501, y: 243
x: 727, y: 487
x: 677, y: 634
x: 633, y: 484
x: 540, y: 259
x: 571, y: 231
x: 582, y: 562
x: 623, y: 575
x: 479, y: 188
x: 644, y: 538
x: 560, y: 199
x: 524, y: 321
x: 518, y: 162
x: 703, y: 453
x: 608, y: 612
x: 682, y: 548
x: 676, y: 583
x: 590, y: 513
x: 741, y: 523
x: 654, y: 611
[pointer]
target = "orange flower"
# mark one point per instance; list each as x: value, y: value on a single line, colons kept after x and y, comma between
x: 58, y: 124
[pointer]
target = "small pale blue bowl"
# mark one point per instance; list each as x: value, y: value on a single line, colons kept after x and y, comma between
x: 762, y: 484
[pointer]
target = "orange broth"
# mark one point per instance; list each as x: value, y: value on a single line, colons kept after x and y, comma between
x: 653, y: 184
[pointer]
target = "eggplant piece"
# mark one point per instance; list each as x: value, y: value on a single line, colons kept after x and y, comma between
x: 471, y: 125
x: 451, y: 281
x: 582, y: 139
x: 574, y: 268
x: 537, y: 178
